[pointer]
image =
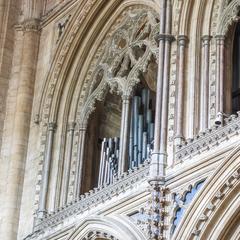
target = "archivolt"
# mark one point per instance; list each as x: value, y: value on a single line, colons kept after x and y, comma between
x: 70, y: 79
x: 114, y: 227
x: 78, y: 32
x: 229, y: 15
x: 217, y: 205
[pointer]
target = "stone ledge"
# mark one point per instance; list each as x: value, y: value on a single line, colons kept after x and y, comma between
x: 93, y: 198
x: 211, y: 137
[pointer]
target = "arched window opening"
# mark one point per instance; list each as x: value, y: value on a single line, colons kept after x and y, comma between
x: 102, y: 147
x: 120, y: 131
x: 141, y: 130
x: 104, y: 123
x: 236, y: 71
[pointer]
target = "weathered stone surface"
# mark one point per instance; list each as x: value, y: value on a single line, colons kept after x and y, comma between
x: 66, y: 67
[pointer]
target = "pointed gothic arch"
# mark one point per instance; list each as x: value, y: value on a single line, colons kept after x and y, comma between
x: 66, y: 100
x: 216, y: 206
x: 109, y: 228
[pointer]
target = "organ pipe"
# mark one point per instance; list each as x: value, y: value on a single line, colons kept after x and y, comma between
x: 141, y: 136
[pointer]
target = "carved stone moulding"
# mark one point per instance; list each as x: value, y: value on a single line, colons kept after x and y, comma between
x: 93, y: 198
x: 215, y: 202
x: 211, y: 137
x: 124, y: 54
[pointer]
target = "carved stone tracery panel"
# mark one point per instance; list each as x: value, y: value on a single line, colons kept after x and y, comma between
x: 129, y: 50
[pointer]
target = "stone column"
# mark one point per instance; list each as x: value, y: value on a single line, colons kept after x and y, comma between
x: 164, y: 120
x: 67, y: 164
x: 124, y: 134
x: 159, y: 79
x: 158, y: 158
x: 154, y: 167
x: 46, y: 170
x: 220, y: 39
x: 21, y: 126
x: 80, y: 159
x: 182, y: 40
x: 204, y: 92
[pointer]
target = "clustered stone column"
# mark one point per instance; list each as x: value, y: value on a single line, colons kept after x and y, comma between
x: 124, y: 134
x: 182, y: 41
x: 79, y: 165
x: 204, y: 96
x: 159, y: 155
x: 46, y: 170
x: 67, y: 163
x: 220, y: 40
x: 21, y: 123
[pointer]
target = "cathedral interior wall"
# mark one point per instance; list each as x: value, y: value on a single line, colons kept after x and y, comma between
x: 58, y: 100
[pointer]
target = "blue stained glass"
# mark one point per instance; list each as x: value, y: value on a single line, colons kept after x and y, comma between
x: 186, y: 201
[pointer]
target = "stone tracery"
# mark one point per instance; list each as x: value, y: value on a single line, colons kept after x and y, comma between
x: 125, y: 54
x: 128, y: 55
x: 115, y: 71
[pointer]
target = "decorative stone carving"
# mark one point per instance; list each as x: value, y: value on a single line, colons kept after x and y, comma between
x: 97, y: 234
x: 215, y: 202
x: 229, y: 16
x: 93, y: 198
x: 61, y: 26
x: 211, y: 137
x: 31, y: 25
x: 126, y: 54
x: 181, y: 201
x: 44, y: 104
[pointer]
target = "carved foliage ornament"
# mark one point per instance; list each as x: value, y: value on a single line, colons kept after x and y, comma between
x: 98, y: 235
x: 127, y: 52
x: 228, y: 17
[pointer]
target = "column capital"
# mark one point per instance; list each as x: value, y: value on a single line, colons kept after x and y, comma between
x: 182, y: 40
x: 178, y: 140
x: 206, y: 39
x: 82, y: 126
x: 126, y: 97
x: 220, y: 39
x: 71, y: 126
x: 52, y: 126
x: 165, y: 37
x: 31, y: 25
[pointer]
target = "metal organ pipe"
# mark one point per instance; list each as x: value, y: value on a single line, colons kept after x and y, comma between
x: 109, y: 161
x: 141, y: 135
x: 143, y: 139
x: 136, y: 104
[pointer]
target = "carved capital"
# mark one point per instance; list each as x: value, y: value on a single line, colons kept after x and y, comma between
x: 52, y: 126
x: 220, y: 39
x: 31, y: 25
x: 71, y: 126
x: 82, y: 127
x: 165, y: 37
x: 206, y: 39
x: 182, y: 40
x: 125, y: 97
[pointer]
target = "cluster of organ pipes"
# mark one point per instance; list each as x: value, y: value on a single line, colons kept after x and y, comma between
x: 109, y: 161
x: 140, y: 139
x: 141, y: 128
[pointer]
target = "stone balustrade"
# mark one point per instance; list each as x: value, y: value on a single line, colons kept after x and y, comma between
x: 93, y: 198
x: 209, y: 138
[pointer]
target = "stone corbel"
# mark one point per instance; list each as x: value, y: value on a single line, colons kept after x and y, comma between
x: 31, y: 25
